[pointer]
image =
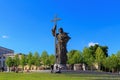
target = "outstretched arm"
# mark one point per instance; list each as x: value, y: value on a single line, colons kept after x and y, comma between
x: 54, y: 31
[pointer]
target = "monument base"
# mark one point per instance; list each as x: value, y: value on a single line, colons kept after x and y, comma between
x: 59, y: 67
x: 63, y: 66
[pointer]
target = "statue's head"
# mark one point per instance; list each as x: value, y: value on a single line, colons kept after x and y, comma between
x: 61, y: 30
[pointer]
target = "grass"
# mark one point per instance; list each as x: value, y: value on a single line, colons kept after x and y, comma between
x: 49, y: 76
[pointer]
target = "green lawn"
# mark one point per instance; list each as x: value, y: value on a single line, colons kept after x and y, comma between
x: 49, y: 76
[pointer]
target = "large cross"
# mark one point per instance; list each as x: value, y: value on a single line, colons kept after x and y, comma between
x: 56, y: 19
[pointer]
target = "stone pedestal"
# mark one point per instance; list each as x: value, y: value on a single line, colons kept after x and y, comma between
x: 70, y: 67
x: 59, y: 67
x: 83, y: 67
x: 77, y: 67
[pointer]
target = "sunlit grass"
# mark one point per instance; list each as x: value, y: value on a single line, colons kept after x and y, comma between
x: 49, y: 76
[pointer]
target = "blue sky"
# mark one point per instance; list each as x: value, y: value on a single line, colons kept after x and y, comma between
x: 25, y: 24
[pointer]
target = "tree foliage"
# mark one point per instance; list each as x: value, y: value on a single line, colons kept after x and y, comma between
x: 74, y: 57
x: 118, y: 60
x: 113, y: 62
x: 94, y: 48
x: 30, y: 60
x: 9, y: 62
x: 36, y: 59
x: 23, y: 61
x: 99, y: 56
x: 16, y: 60
x: 88, y: 57
x: 52, y: 59
x: 45, y: 58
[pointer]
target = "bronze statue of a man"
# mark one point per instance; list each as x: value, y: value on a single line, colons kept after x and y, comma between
x: 61, y: 43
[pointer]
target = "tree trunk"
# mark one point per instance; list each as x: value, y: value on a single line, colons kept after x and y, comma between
x: 113, y: 70
x: 105, y: 69
x: 99, y: 67
x: 36, y: 68
x: 117, y: 70
x: 109, y: 70
x: 9, y: 69
x: 91, y: 68
x: 22, y: 68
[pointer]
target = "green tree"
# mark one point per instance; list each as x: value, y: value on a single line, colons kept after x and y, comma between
x: 36, y: 59
x: 74, y: 57
x: 16, y: 60
x: 118, y: 58
x: 88, y: 57
x: 9, y: 62
x: 52, y: 59
x: 113, y: 62
x: 70, y: 57
x: 106, y: 63
x: 99, y: 57
x: 105, y: 50
x: 30, y: 60
x: 94, y: 48
x: 77, y: 57
x: 23, y: 61
x: 45, y: 58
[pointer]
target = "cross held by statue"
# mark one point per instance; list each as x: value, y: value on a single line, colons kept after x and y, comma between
x: 55, y: 19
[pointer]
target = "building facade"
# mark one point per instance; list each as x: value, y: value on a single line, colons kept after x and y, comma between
x: 4, y: 53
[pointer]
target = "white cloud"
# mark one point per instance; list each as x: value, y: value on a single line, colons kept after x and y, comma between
x: 92, y: 44
x: 5, y: 36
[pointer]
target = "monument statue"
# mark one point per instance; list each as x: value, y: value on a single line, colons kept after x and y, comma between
x: 61, y: 40
x: 61, y: 43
